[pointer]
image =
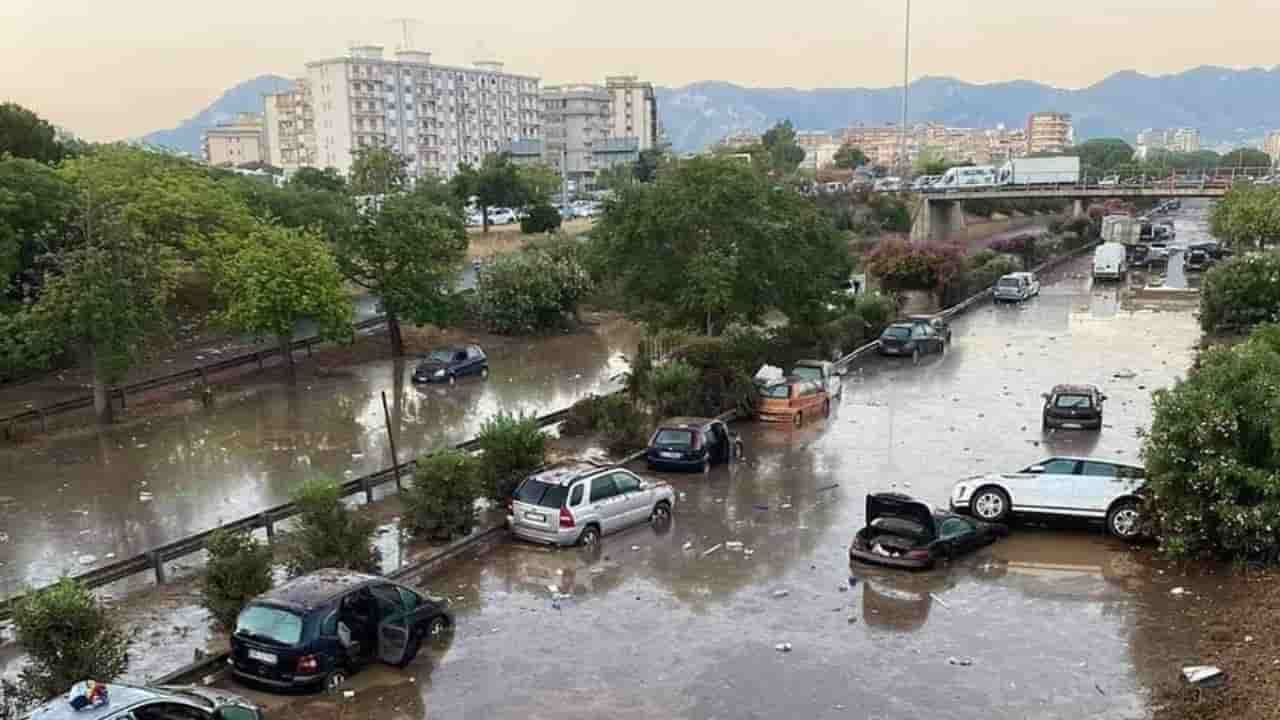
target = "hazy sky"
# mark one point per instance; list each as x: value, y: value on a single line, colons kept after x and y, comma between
x: 109, y: 69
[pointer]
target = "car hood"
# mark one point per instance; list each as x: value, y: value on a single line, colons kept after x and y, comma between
x: 900, y: 506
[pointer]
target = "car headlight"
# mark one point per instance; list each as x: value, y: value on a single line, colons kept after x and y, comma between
x: 440, y: 373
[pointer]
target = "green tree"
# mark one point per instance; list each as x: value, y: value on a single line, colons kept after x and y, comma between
x: 406, y: 251
x: 377, y: 171
x: 930, y: 161
x: 496, y: 183
x: 785, y: 154
x: 239, y: 569
x: 1247, y: 216
x: 296, y: 205
x: 615, y: 177
x: 329, y: 535
x: 531, y: 290
x: 24, y: 134
x: 850, y: 157
x: 1242, y: 292
x: 538, y: 183
x: 712, y: 243
x: 35, y: 205
x: 68, y: 636
x: 647, y: 165
x: 1245, y: 158
x: 328, y: 180
x: 441, y: 502
x: 278, y: 277
x: 1102, y: 155
x: 512, y: 446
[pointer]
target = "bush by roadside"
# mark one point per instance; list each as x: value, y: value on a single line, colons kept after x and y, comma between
x: 513, y: 446
x: 239, y: 569
x: 541, y: 218
x: 621, y: 424
x: 329, y: 535
x: 441, y: 502
x: 534, y: 290
x: 1241, y: 292
x: 69, y: 636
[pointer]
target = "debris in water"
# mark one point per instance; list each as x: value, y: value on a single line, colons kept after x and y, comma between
x: 781, y: 593
x: 786, y: 506
x: 783, y: 647
x: 940, y: 601
x: 1178, y: 591
x: 711, y: 549
x: 1203, y: 675
x: 688, y: 545
x: 145, y: 496
x: 733, y: 545
x: 962, y: 662
x: 634, y: 548
x: 88, y: 559
x: 760, y: 507
x: 348, y: 694
x: 1125, y: 374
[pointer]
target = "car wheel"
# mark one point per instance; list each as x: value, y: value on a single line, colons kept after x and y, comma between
x: 590, y: 537
x: 453, y: 379
x: 990, y: 504
x: 661, y: 513
x: 334, y: 681
x: 1124, y: 520
x: 484, y: 371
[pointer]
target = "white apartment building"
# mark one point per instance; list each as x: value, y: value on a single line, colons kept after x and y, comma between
x: 289, y: 127
x: 435, y: 116
x: 235, y: 143
x: 1182, y: 140
x: 575, y: 119
x: 634, y: 109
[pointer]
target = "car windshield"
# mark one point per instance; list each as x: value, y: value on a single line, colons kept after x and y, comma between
x: 536, y: 492
x: 264, y: 622
x: 1010, y: 282
x: 1073, y: 401
x: 440, y: 355
x: 681, y: 438
x: 808, y: 373
x: 781, y: 391
x: 897, y: 332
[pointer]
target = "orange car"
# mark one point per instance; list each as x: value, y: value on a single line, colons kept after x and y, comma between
x: 792, y: 400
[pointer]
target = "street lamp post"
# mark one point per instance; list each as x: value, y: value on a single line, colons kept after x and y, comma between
x: 906, y: 60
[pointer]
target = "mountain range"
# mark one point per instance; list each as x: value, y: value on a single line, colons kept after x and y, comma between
x: 1227, y: 105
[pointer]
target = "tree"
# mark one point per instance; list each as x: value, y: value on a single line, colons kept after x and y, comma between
x: 930, y: 161
x: 277, y: 277
x: 712, y: 243
x: 538, y: 183
x: 23, y: 134
x: 1245, y: 158
x: 496, y: 184
x: 647, y: 165
x: 511, y: 447
x: 1102, y: 155
x: 68, y: 637
x: 239, y: 569
x: 329, y: 535
x: 615, y: 177
x: 785, y: 154
x: 377, y: 171
x: 407, y: 252
x: 441, y: 502
x: 1247, y: 216
x: 531, y: 290
x: 35, y: 205
x: 902, y: 265
x: 850, y: 157
x: 328, y: 180
x: 1242, y: 292
x: 296, y: 205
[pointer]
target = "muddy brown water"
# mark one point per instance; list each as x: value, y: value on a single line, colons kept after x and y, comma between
x: 1057, y: 621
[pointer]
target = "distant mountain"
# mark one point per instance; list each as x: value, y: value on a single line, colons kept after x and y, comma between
x: 245, y: 97
x: 1226, y: 105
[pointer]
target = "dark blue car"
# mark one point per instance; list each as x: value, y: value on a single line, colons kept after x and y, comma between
x: 447, y: 364
x: 315, y: 630
x: 689, y: 443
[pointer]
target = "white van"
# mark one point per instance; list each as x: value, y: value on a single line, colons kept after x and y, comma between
x: 967, y: 178
x: 1109, y: 262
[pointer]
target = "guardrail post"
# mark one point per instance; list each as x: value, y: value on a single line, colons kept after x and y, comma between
x: 44, y: 420
x: 124, y: 404
x: 368, y: 489
x: 309, y: 344
x: 270, y: 525
x: 157, y: 562
x: 258, y: 356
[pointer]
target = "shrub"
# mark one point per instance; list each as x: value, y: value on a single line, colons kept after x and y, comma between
x: 623, y: 426
x: 513, y: 447
x: 1213, y: 454
x: 239, y: 570
x: 902, y: 265
x: 541, y: 218
x: 329, y: 535
x: 1241, y: 292
x: 675, y: 389
x: 442, y: 501
x: 68, y: 637
x: 531, y: 290
x: 890, y: 213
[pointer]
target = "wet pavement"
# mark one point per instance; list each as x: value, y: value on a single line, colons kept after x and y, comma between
x: 71, y: 503
x: 1053, y: 622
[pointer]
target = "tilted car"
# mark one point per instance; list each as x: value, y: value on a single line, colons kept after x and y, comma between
x: 578, y: 503
x: 692, y: 444
x: 130, y: 702
x: 1059, y: 486
x: 315, y: 630
x: 447, y: 364
x: 906, y: 533
x: 1073, y: 406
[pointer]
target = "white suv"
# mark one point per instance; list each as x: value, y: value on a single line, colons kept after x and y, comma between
x: 577, y: 503
x: 1076, y: 487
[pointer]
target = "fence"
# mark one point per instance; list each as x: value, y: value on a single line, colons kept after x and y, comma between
x: 201, y: 373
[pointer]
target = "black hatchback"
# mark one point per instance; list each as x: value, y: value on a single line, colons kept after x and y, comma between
x: 1073, y: 406
x: 316, y: 629
x: 447, y: 364
x: 690, y: 443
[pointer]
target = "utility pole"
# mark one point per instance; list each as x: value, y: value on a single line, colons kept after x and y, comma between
x: 906, y: 60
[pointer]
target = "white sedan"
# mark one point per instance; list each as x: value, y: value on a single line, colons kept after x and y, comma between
x: 1059, y: 486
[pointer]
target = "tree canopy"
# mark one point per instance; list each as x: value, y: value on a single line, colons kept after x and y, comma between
x: 850, y: 157
x: 24, y: 134
x: 328, y: 179
x: 377, y: 170
x: 1245, y: 158
x: 1248, y: 216
x: 1102, y: 155
x: 785, y: 154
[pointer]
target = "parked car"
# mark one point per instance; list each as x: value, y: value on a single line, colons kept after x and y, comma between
x: 1197, y: 260
x: 578, y: 503
x: 502, y: 216
x: 1073, y: 406
x: 1062, y: 486
x: 1109, y: 181
x: 821, y: 371
x: 792, y: 400
x: 1016, y: 287
x: 315, y: 630
x: 914, y: 339
x: 692, y: 443
x: 131, y: 702
x: 1158, y: 251
x: 906, y: 533
x: 449, y: 363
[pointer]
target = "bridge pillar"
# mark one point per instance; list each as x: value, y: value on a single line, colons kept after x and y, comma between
x: 1077, y: 208
x: 937, y: 219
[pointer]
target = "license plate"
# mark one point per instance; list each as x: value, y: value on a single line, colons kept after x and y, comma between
x: 670, y: 455
x: 266, y: 657
x: 1071, y: 426
x: 536, y: 517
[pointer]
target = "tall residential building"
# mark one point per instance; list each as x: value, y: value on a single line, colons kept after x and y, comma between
x: 882, y: 144
x: 1271, y: 146
x: 575, y: 118
x: 435, y: 116
x: 235, y: 143
x: 633, y: 109
x: 1183, y: 140
x: 289, y: 128
x: 1048, y: 132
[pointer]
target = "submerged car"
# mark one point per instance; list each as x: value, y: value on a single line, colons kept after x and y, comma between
x: 692, y: 444
x: 315, y: 630
x: 915, y: 337
x: 447, y: 364
x: 791, y: 399
x: 1073, y: 406
x: 130, y: 702
x: 906, y: 533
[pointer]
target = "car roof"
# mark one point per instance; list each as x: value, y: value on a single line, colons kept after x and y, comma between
x: 566, y: 473
x: 119, y: 699
x: 316, y: 589
x: 1070, y: 389
x: 901, y: 325
x: 685, y: 422
x: 1089, y: 459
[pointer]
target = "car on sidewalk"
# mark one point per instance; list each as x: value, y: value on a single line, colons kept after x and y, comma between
x: 903, y: 532
x: 315, y: 630
x: 577, y: 503
x: 1059, y: 486
x: 132, y: 702
x: 691, y: 443
x: 1077, y: 407
x: 447, y: 364
x: 919, y: 335
x: 821, y: 371
x: 1016, y: 287
x: 791, y: 400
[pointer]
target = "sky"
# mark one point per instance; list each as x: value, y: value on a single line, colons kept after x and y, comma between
x: 112, y: 69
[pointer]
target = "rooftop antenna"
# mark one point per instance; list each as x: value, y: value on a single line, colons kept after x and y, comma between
x: 406, y: 31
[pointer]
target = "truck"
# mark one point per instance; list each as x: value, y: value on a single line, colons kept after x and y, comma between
x: 1110, y: 261
x: 1040, y: 171
x: 1121, y: 229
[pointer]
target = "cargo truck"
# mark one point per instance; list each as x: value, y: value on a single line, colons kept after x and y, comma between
x: 1040, y: 171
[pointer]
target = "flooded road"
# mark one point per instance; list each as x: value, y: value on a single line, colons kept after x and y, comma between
x: 69, y: 504
x: 1053, y: 622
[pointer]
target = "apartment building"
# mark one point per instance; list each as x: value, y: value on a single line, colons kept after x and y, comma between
x: 289, y: 127
x: 435, y: 116
x: 235, y: 143
x: 1049, y: 132
x: 882, y: 144
x: 820, y: 148
x: 1183, y: 140
x: 575, y: 118
x: 1271, y: 146
x: 633, y: 110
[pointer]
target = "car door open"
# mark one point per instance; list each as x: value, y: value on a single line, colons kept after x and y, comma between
x: 394, y: 640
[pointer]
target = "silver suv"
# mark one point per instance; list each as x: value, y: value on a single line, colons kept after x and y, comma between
x: 577, y: 503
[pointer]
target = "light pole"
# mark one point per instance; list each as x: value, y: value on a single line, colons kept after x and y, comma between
x: 906, y: 61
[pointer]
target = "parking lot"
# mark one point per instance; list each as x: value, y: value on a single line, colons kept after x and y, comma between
x: 1053, y: 622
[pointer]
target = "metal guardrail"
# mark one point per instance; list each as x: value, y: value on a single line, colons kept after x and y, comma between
x: 154, y: 560
x: 197, y: 373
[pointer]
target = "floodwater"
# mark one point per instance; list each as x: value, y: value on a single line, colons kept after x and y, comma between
x: 1057, y: 621
x: 69, y: 504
